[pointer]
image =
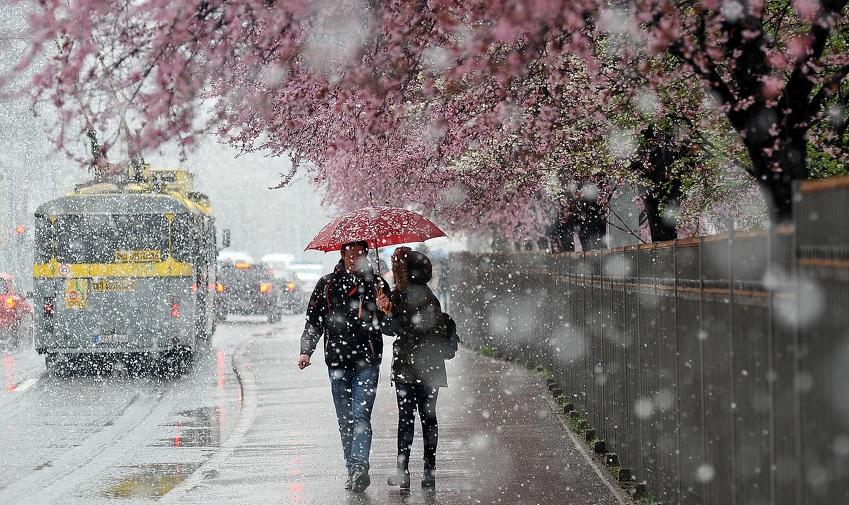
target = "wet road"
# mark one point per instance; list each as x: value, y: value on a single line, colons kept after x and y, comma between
x: 500, y: 441
x: 267, y: 434
x: 118, y: 438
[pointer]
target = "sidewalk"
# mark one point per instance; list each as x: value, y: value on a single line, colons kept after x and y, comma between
x: 500, y: 441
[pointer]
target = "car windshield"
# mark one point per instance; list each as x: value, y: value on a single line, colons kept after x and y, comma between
x: 307, y: 271
x: 252, y: 274
x: 279, y: 270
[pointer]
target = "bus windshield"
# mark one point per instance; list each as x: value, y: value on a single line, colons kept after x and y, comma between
x: 108, y: 238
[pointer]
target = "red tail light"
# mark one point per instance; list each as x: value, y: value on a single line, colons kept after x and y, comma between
x: 175, y: 309
x: 48, y: 307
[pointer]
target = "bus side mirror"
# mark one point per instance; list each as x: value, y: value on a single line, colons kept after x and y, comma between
x: 225, y: 239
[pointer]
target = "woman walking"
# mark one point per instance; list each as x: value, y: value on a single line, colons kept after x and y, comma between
x: 418, y: 365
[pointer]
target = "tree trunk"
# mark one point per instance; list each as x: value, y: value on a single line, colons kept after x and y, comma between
x: 592, y: 226
x: 660, y: 227
x: 777, y: 186
x: 562, y: 234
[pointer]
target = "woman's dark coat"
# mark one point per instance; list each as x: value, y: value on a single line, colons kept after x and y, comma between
x: 418, y: 324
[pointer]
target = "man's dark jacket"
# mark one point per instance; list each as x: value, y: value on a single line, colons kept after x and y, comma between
x: 344, y: 311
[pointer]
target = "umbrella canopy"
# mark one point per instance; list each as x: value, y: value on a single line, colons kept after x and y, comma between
x: 379, y: 226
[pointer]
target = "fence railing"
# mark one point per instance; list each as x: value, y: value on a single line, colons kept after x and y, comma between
x: 717, y: 368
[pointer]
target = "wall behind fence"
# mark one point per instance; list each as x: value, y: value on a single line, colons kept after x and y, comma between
x: 717, y: 368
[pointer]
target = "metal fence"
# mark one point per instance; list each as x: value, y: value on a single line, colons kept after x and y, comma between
x: 717, y: 368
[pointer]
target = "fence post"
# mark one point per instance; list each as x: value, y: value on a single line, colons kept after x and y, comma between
x: 677, y: 366
x: 770, y: 366
x: 701, y: 339
x: 731, y: 286
x: 796, y: 395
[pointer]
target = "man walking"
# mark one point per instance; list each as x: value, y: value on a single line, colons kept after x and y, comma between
x: 343, y: 309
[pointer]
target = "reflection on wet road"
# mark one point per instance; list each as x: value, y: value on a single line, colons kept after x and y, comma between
x: 499, y: 440
x: 113, y: 436
x: 267, y: 433
x: 150, y: 481
x: 196, y: 428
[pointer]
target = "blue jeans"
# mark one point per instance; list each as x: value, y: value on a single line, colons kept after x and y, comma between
x: 353, y: 396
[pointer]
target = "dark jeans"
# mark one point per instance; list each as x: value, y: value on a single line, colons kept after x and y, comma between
x: 412, y: 397
x: 353, y: 396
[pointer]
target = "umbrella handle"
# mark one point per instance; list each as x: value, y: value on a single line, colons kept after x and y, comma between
x: 379, y: 276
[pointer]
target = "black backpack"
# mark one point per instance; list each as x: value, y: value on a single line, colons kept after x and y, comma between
x: 452, y: 341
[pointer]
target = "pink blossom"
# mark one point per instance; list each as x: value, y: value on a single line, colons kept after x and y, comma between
x: 477, y: 109
x: 806, y: 9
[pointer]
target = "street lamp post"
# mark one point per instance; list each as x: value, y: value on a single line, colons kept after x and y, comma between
x: 12, y: 245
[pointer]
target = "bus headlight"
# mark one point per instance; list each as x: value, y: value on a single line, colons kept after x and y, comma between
x: 265, y: 288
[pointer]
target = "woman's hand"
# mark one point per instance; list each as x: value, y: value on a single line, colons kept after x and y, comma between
x: 383, y: 303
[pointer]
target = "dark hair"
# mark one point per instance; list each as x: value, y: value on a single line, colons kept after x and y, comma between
x: 349, y: 245
x: 419, y: 267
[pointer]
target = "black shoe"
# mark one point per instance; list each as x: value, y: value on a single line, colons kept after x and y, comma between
x: 360, y: 480
x: 349, y: 482
x: 401, y: 478
x: 429, y: 479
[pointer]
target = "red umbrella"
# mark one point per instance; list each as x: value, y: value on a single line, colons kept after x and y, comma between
x: 379, y: 226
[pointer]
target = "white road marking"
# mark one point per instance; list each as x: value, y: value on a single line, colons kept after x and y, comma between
x: 23, y: 386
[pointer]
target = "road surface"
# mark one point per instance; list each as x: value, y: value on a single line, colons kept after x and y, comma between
x: 246, y: 426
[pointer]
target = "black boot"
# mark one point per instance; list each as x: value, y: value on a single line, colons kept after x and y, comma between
x: 429, y: 478
x: 401, y: 478
x: 360, y: 480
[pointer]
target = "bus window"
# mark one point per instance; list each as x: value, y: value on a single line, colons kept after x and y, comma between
x: 43, y: 240
x: 186, y: 238
x: 98, y: 238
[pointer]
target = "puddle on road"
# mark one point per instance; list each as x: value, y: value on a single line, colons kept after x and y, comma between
x: 150, y: 481
x: 195, y: 428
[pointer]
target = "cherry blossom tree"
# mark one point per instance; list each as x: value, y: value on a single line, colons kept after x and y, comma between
x: 490, y: 112
x: 363, y: 113
x: 772, y: 66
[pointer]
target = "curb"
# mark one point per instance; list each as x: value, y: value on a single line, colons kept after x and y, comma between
x: 605, y: 476
x: 212, y: 467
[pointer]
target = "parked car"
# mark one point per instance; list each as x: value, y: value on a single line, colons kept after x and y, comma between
x: 289, y: 288
x: 278, y: 261
x: 15, y: 313
x: 246, y: 288
x: 307, y: 274
x: 227, y: 255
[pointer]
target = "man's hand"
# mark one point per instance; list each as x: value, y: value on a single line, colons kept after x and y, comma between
x: 383, y: 303
x: 303, y: 361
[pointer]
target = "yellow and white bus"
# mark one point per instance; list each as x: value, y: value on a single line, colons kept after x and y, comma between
x: 124, y: 270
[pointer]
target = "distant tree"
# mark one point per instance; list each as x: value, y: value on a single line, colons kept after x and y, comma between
x: 772, y: 66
